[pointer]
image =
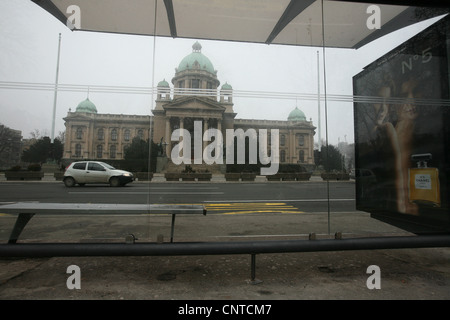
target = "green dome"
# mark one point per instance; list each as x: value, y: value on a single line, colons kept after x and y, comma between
x: 296, y: 115
x: 86, y: 106
x: 196, y: 60
x: 227, y: 86
x: 163, y: 83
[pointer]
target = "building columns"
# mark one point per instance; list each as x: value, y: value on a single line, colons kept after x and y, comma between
x: 167, y: 138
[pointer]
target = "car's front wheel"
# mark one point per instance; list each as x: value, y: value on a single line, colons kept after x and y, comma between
x: 114, y: 182
x: 69, y: 182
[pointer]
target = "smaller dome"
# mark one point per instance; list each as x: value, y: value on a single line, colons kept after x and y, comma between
x: 163, y: 83
x: 86, y: 106
x: 296, y: 115
x: 227, y: 86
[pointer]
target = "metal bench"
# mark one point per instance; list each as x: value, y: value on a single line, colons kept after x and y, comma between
x: 26, y: 210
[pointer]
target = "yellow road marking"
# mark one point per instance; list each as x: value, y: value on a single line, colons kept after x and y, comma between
x: 245, y: 208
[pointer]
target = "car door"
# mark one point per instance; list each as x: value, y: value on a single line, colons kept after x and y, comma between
x: 96, y: 173
x: 78, y: 172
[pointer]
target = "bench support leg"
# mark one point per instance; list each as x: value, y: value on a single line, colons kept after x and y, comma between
x: 172, y: 227
x: 253, y: 279
x: 21, y: 222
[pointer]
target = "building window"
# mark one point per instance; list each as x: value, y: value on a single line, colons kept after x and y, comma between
x: 114, y: 135
x: 127, y: 135
x: 282, y: 156
x: 301, y: 140
x: 282, y: 140
x: 301, y: 156
x: 79, y: 133
x: 78, y: 150
x: 100, y: 134
x: 195, y: 84
x: 140, y: 134
x: 112, y: 152
x: 99, y: 151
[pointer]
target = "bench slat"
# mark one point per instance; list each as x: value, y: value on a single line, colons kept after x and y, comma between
x: 99, y: 208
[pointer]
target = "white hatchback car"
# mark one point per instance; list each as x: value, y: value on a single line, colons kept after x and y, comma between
x: 83, y: 172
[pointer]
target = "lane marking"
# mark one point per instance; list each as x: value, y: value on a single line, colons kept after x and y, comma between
x: 150, y: 193
x: 246, y: 208
x: 277, y: 200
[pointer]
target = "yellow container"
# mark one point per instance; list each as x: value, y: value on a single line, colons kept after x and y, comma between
x: 424, y: 186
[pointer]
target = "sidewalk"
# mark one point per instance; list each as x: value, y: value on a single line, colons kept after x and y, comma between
x: 406, y: 274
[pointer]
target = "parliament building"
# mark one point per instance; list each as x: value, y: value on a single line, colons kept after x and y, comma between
x: 195, y: 96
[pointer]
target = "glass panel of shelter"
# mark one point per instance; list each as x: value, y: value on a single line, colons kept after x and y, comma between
x: 313, y: 103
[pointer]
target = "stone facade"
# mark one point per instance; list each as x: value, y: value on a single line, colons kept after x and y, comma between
x: 102, y: 136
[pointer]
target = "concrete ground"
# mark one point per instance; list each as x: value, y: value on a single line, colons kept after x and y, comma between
x: 405, y: 274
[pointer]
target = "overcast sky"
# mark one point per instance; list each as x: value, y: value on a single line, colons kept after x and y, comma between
x: 28, y: 54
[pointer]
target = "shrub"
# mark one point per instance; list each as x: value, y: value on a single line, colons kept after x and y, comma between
x: 34, y: 167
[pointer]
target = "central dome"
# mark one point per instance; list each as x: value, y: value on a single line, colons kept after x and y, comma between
x: 196, y: 61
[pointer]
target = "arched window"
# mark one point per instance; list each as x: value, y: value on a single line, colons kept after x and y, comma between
x: 114, y: 134
x: 195, y: 84
x: 301, y: 140
x: 282, y: 140
x: 79, y: 133
x: 127, y: 135
x: 78, y: 150
x: 112, y: 151
x: 282, y: 156
x: 99, y: 151
x: 100, y: 134
x: 140, y: 134
x: 301, y: 156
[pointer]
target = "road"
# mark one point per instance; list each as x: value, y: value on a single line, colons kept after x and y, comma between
x: 253, y: 197
x: 235, y: 211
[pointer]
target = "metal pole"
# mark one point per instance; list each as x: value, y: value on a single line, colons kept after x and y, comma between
x: 172, y: 227
x: 56, y: 90
x: 253, y: 266
x: 318, y: 102
x: 219, y: 248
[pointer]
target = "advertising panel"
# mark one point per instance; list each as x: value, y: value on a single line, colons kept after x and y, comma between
x: 401, y: 115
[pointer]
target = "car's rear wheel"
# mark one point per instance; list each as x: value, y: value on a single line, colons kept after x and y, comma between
x: 69, y: 182
x: 114, y: 182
